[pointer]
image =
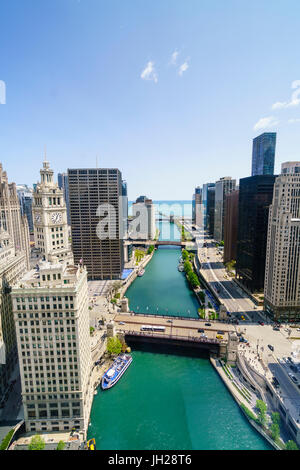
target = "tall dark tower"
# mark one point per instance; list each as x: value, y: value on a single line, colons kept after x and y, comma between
x: 263, y: 154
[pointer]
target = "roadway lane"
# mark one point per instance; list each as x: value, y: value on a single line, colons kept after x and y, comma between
x: 234, y: 298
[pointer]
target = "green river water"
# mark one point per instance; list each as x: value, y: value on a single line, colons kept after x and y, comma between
x: 168, y: 399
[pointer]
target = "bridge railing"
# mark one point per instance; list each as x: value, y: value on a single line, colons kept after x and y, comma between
x: 151, y: 334
x: 174, y: 317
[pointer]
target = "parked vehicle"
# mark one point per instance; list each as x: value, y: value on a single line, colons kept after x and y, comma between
x: 200, y: 330
x: 261, y: 323
x: 271, y: 347
x: 207, y: 324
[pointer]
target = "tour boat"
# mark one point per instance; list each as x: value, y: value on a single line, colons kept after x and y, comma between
x: 141, y: 272
x: 181, y: 268
x: 115, y: 372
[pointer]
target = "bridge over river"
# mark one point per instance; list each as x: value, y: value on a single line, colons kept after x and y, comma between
x: 178, y: 331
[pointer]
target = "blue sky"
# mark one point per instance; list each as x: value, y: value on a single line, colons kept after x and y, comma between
x: 89, y: 78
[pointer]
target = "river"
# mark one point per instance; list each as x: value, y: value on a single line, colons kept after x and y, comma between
x: 168, y: 399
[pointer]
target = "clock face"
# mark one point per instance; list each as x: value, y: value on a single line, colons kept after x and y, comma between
x: 38, y: 218
x: 56, y: 217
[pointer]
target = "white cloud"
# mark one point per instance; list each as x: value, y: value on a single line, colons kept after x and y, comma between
x: 149, y: 72
x: 174, y: 57
x: 265, y: 123
x: 294, y: 101
x: 183, y: 68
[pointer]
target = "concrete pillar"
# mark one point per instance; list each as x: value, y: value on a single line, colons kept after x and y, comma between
x: 223, y: 312
x: 232, y: 347
x: 125, y: 305
x: 111, y: 330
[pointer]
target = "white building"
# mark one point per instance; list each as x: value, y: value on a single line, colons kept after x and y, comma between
x: 51, y: 232
x: 50, y: 305
x: 282, y: 274
x: 13, y: 265
x: 143, y: 225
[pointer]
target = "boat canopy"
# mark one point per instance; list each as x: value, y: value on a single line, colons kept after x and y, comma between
x: 110, y: 373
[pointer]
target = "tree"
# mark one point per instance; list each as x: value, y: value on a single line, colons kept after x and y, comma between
x: 291, y: 445
x: 61, y: 445
x: 276, y: 418
x: 92, y: 329
x: 275, y: 431
x: 36, y: 443
x: 114, y: 346
x: 262, y: 407
x: 187, y: 267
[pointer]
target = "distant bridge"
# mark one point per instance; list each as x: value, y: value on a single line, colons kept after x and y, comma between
x: 158, y: 242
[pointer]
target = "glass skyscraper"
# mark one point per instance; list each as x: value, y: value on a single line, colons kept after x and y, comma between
x: 263, y: 154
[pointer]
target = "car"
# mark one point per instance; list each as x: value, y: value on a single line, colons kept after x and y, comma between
x: 169, y: 321
x: 220, y: 332
x: 207, y: 324
x: 293, y: 378
x: 261, y: 323
x: 121, y: 323
x: 294, y: 368
x: 271, y: 347
x: 275, y: 328
x: 290, y: 360
x: 284, y: 359
x: 219, y: 337
x: 200, y: 330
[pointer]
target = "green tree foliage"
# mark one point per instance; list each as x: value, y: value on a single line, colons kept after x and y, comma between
x: 61, y: 445
x: 92, y: 329
x: 262, y: 408
x: 291, y: 445
x: 114, y: 346
x: 6, y: 440
x: 202, y: 296
x: 36, y: 443
x: 185, y: 255
x: 150, y: 249
x: 193, y: 279
x: 275, y: 431
x: 187, y: 267
x: 276, y: 418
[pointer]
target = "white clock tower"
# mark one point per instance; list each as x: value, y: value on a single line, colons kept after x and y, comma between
x: 51, y: 231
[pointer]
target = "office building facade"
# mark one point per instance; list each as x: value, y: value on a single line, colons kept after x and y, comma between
x: 50, y: 306
x: 63, y: 183
x: 211, y: 210
x: 96, y: 210
x: 223, y: 187
x: 205, y: 192
x: 25, y: 195
x: 144, y: 209
x: 263, y: 154
x: 231, y: 226
x: 282, y: 277
x: 197, y: 211
x: 255, y: 198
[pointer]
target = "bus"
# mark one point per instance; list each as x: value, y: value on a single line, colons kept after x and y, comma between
x: 153, y: 328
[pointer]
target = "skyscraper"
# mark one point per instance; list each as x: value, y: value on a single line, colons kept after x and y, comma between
x: 51, y: 233
x: 50, y: 305
x: 197, y: 206
x: 205, y: 202
x: 211, y: 210
x: 96, y: 204
x: 263, y: 154
x: 63, y: 183
x: 13, y: 265
x: 255, y: 197
x: 282, y: 277
x: 148, y: 232
x: 26, y: 199
x: 12, y: 220
x: 231, y: 226
x: 14, y: 261
x: 223, y: 187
